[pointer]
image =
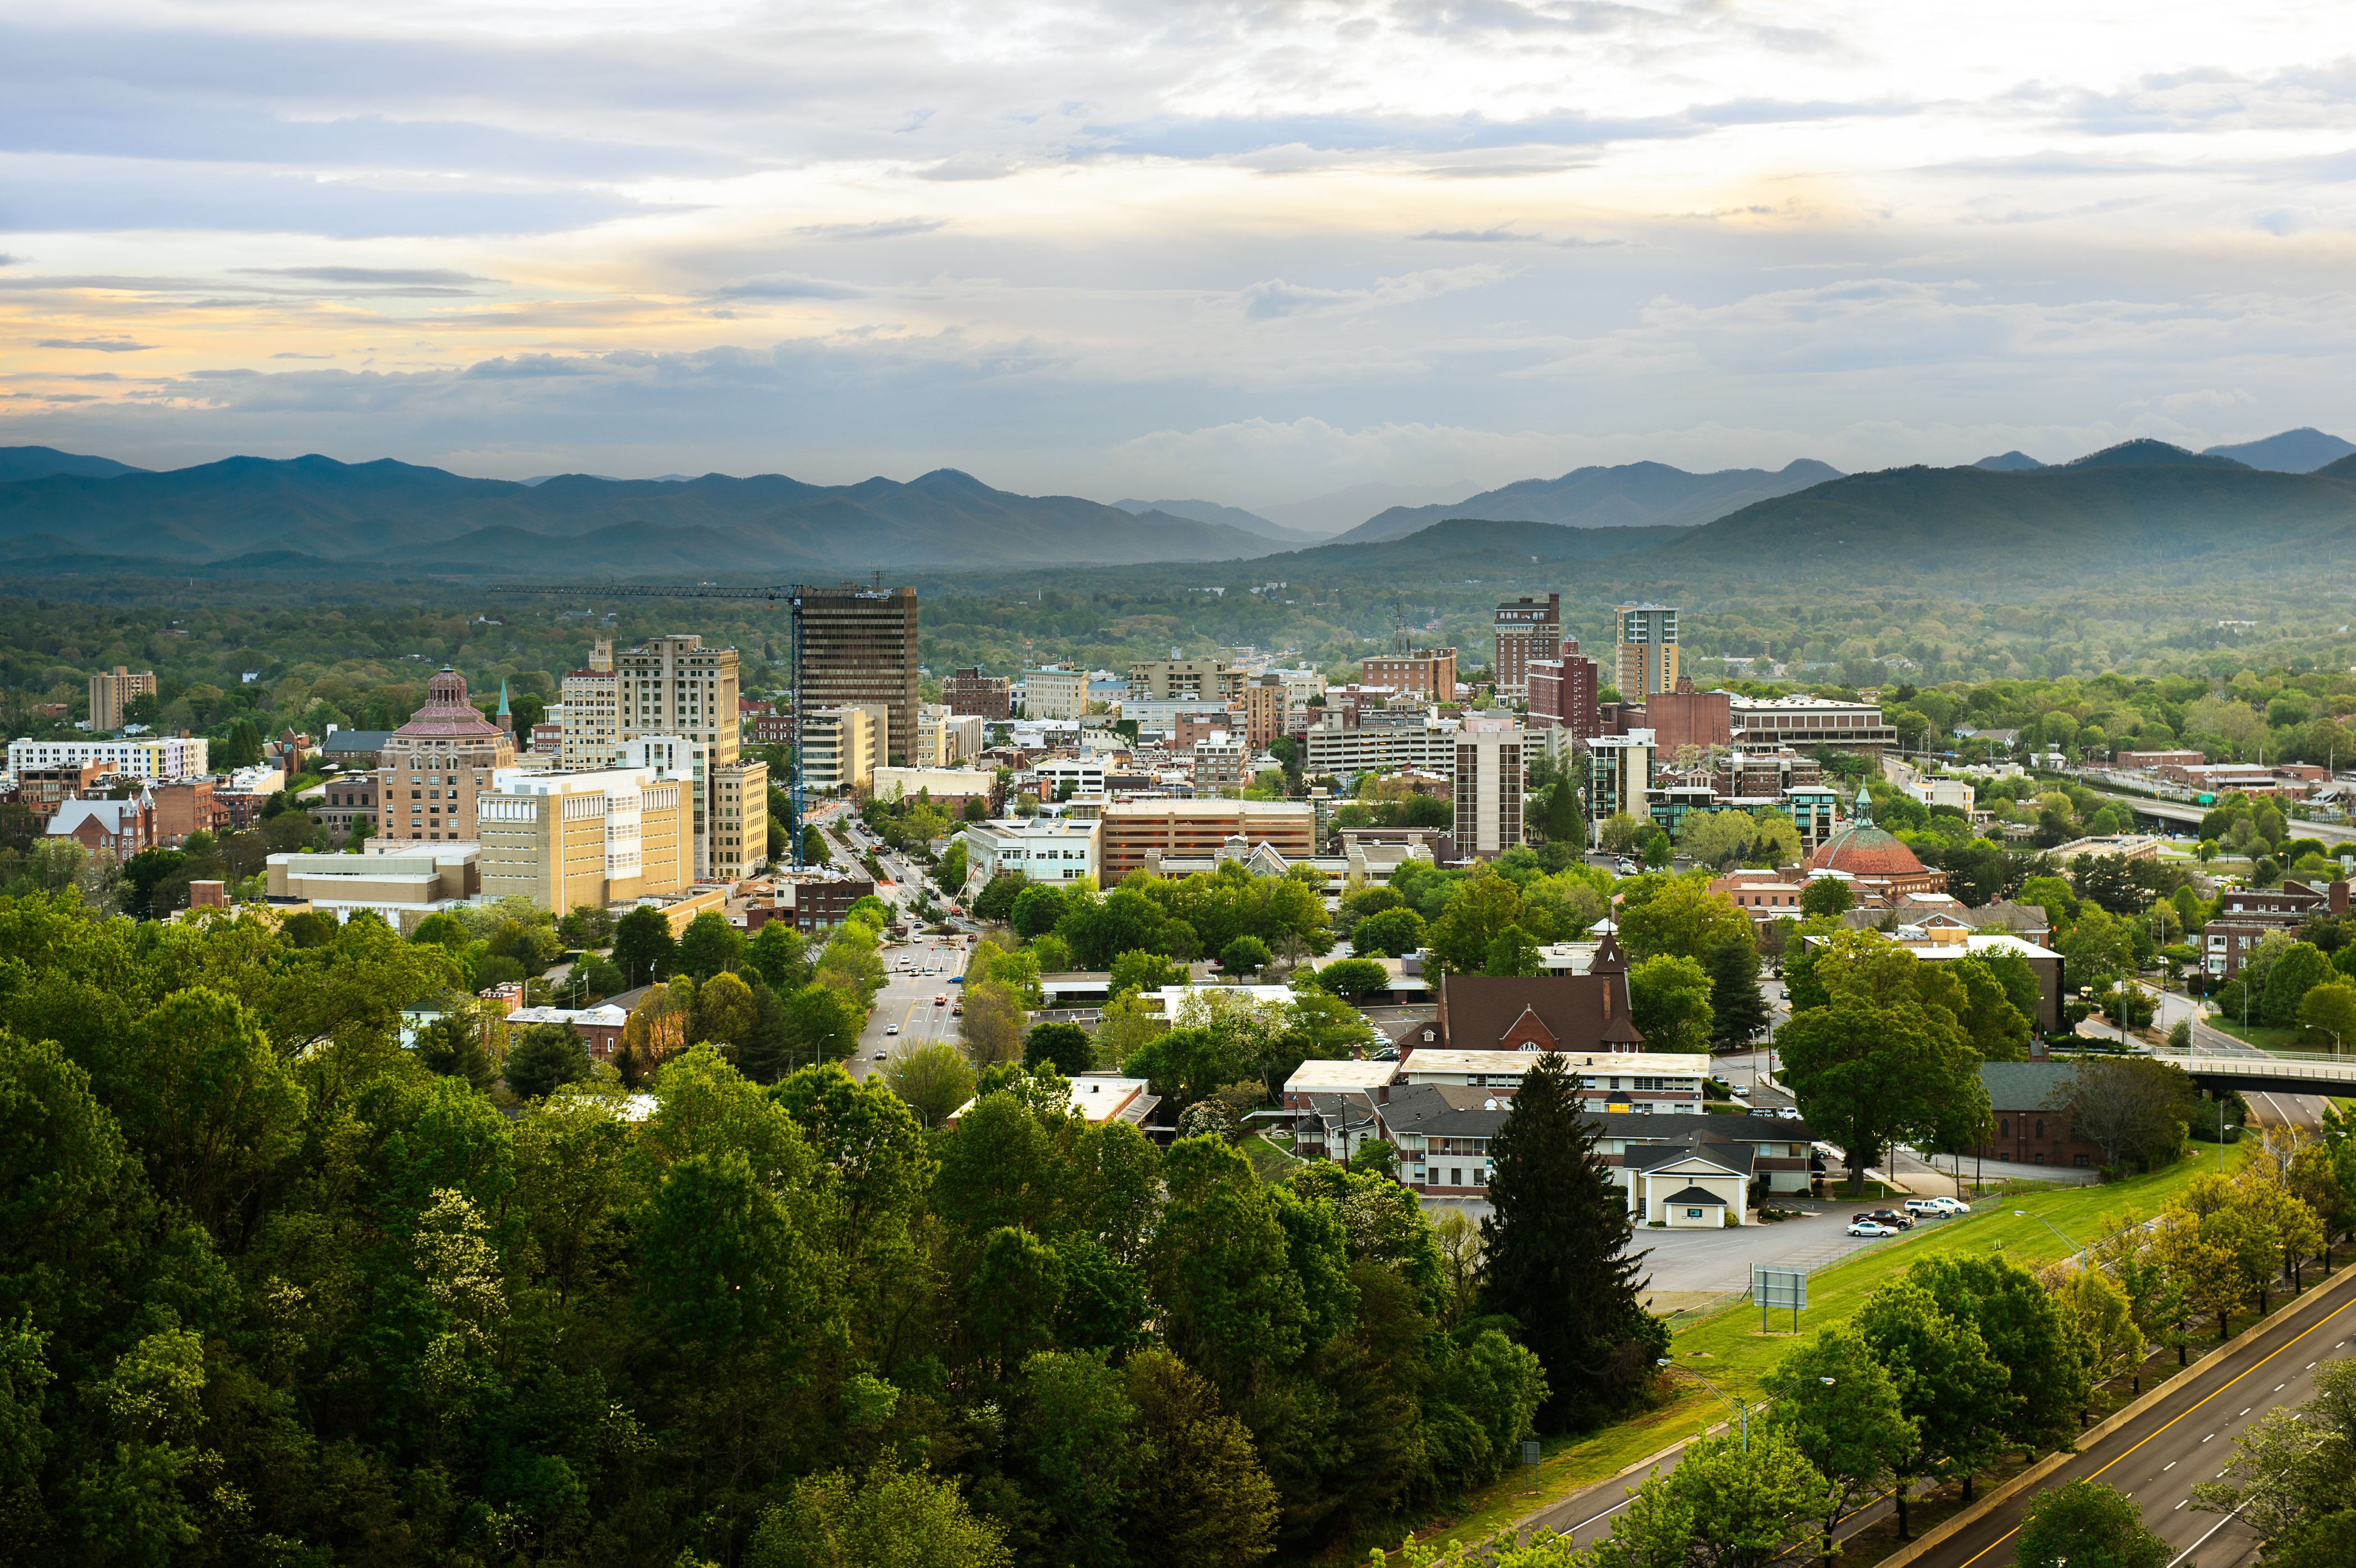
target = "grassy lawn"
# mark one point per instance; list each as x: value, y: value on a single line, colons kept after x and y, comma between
x: 1729, y: 1350
x: 1270, y: 1159
x: 2268, y: 1039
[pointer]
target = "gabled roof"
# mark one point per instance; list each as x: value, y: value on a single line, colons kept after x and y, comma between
x: 1696, y: 1195
x: 1478, y: 1011
x: 1657, y: 1156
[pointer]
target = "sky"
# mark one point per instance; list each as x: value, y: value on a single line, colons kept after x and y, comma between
x: 1249, y: 253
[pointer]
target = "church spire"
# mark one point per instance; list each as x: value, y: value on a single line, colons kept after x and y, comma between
x: 506, y: 715
x: 1864, y: 796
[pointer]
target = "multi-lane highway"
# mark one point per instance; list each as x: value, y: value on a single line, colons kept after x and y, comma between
x: 906, y: 1014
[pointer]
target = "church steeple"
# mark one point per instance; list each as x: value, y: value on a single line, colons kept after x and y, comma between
x: 1864, y: 796
x: 506, y: 715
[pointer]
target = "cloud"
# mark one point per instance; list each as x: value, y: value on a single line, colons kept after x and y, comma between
x: 101, y: 345
x: 288, y: 354
x: 2207, y: 397
x: 1481, y: 236
x: 437, y: 280
x: 2286, y: 220
x: 789, y: 285
x: 888, y: 229
x: 1276, y: 299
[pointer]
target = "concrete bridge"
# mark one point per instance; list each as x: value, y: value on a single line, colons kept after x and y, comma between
x: 2173, y: 816
x: 2219, y: 1069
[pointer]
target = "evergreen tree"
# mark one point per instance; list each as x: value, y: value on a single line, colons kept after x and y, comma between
x: 643, y: 949
x: 1555, y: 1243
x: 545, y: 1058
x: 1738, y: 1008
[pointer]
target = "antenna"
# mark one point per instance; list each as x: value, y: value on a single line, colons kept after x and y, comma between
x: 1401, y: 643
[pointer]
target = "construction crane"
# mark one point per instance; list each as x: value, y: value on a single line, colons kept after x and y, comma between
x: 788, y: 593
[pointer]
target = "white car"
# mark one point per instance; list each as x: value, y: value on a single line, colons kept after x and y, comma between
x: 1952, y: 1206
x: 891, y: 1028
x: 1870, y: 1228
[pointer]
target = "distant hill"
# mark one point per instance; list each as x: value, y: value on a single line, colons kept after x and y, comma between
x: 2144, y: 452
x: 1632, y: 494
x: 2078, y: 520
x: 389, y: 511
x: 1225, y: 516
x: 1337, y: 512
x: 41, y: 462
x: 2301, y: 451
x: 2009, y: 463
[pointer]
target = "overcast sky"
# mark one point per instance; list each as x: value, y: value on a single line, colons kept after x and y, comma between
x: 1246, y: 253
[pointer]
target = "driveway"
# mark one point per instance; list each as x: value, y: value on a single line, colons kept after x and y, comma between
x: 1686, y: 1268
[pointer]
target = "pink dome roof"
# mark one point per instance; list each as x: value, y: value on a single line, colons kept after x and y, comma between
x: 448, y: 715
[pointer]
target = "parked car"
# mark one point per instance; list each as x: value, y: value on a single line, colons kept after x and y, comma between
x: 1902, y: 1220
x: 1740, y: 1092
x: 1952, y: 1206
x: 1926, y: 1208
x: 1870, y: 1228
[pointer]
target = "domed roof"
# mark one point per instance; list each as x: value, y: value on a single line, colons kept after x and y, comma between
x: 1866, y: 851
x: 447, y: 714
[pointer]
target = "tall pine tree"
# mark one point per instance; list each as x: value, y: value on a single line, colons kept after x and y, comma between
x: 1738, y: 1007
x: 1557, y: 1246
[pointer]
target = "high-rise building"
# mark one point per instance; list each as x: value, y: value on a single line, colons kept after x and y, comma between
x: 432, y: 770
x: 1426, y: 672
x: 1490, y: 780
x: 110, y: 692
x: 1646, y: 636
x: 1264, y: 704
x: 1526, y: 629
x: 1163, y: 680
x: 674, y: 686
x: 838, y: 750
x: 858, y: 650
x: 1562, y: 691
x: 590, y: 711
x: 969, y: 690
x: 1054, y: 692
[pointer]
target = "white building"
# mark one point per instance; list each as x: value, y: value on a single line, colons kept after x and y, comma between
x: 1086, y: 775
x: 1429, y: 744
x: 1604, y: 1079
x: 841, y: 749
x: 1044, y: 849
x: 1489, y: 787
x: 158, y: 758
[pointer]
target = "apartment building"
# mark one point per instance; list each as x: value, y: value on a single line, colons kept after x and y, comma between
x: 1264, y: 704
x: 1645, y: 638
x: 737, y: 842
x: 2247, y: 915
x: 433, y: 769
x: 1054, y: 692
x: 858, y: 650
x: 1429, y: 673
x: 44, y: 787
x: 1490, y: 781
x: 1201, y: 680
x: 1053, y: 777
x: 1561, y: 691
x: 110, y: 692
x: 987, y: 697
x: 1334, y: 745
x: 156, y: 758
x: 1525, y: 630
x: 1620, y: 772
x: 841, y: 749
x: 1222, y: 762
x: 1138, y: 833
x: 945, y: 738
x: 1044, y: 849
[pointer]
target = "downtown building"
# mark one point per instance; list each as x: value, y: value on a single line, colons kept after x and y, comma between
x: 1561, y: 691
x: 858, y: 650
x: 1645, y: 638
x: 112, y: 692
x: 433, y: 772
x: 675, y: 690
x: 1426, y: 673
x: 1526, y: 631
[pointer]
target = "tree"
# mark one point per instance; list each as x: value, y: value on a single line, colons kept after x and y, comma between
x: 1749, y: 1501
x: 1555, y: 1240
x: 996, y: 899
x: 1949, y: 1387
x: 725, y: 1014
x: 1622, y: 833
x: 1245, y: 955
x: 1393, y: 933
x: 2299, y: 971
x: 1375, y: 1157
x: 2134, y: 1110
x: 889, y: 1517
x: 1839, y: 1408
x: 992, y: 1026
x: 1211, y: 1504
x: 545, y: 1058
x: 1066, y: 1046
x: 2330, y: 1008
x: 2291, y: 1467
x: 1738, y: 1007
x: 452, y: 1045
x: 1140, y: 971
x: 2090, y: 1524
x: 1828, y: 896
x: 1718, y: 838
x: 1350, y: 978
x: 709, y: 946
x: 1668, y: 1001
x: 934, y: 1079
x: 643, y: 949
x: 1036, y: 910
x: 1681, y: 917
x: 1863, y: 1074
x: 778, y: 953
x: 821, y: 1023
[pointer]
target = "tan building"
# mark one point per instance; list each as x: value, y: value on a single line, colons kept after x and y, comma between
x: 1265, y: 700
x: 590, y: 711
x: 838, y: 749
x: 740, y: 820
x: 1133, y: 830
x: 1526, y: 629
x: 858, y: 650
x: 1426, y: 672
x: 1054, y: 692
x: 1646, y: 639
x: 403, y: 886
x: 110, y: 693
x: 945, y: 738
x: 598, y: 836
x: 1489, y: 784
x: 674, y: 687
x: 1179, y: 680
x: 1220, y: 760
x: 433, y: 768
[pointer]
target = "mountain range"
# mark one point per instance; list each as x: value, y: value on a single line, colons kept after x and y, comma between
x: 1630, y: 495
x: 2301, y: 451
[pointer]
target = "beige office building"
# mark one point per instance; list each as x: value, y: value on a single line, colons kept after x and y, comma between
x: 591, y: 716
x: 110, y: 692
x: 1645, y: 637
x: 945, y: 738
x: 1490, y: 780
x: 1056, y: 692
x: 1163, y: 680
x: 673, y: 687
x: 839, y: 749
x: 598, y: 836
x: 739, y: 836
x: 1140, y: 833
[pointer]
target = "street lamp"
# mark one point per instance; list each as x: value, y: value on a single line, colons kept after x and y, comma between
x: 2081, y: 1251
x: 1740, y: 1408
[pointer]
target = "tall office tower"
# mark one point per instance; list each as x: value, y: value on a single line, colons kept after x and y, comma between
x: 110, y: 692
x: 1490, y: 780
x: 858, y: 650
x: 1526, y: 629
x: 1264, y: 705
x: 674, y: 685
x: 590, y: 725
x: 1647, y: 636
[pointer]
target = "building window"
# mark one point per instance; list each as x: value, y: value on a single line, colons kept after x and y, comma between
x: 2004, y: 1128
x: 2041, y: 1126
x: 1693, y: 1213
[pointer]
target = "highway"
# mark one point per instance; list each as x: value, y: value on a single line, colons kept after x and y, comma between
x: 914, y: 972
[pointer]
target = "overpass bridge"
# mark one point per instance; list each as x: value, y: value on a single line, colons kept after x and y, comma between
x: 2184, y: 814
x: 2292, y: 1075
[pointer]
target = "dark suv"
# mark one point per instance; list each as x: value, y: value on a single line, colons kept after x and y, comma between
x: 1887, y: 1216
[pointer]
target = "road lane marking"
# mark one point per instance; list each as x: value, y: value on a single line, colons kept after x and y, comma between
x: 2246, y: 1410
x: 2171, y: 1464
x: 2327, y: 1316
x: 2206, y: 1439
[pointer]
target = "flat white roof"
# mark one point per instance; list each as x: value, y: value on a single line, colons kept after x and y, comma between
x: 1425, y: 1060
x: 1339, y: 1078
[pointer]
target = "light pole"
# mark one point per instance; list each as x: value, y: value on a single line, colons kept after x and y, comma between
x: 1740, y: 1408
x: 2081, y: 1251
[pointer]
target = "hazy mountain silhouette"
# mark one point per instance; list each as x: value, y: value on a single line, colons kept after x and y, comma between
x: 41, y: 462
x: 1630, y: 495
x: 2301, y: 451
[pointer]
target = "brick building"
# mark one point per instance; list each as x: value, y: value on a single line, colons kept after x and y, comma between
x: 2247, y: 915
x: 1524, y: 630
x: 112, y: 692
x: 1562, y: 691
x: 435, y: 766
x: 183, y: 806
x: 1137, y: 833
x: 2026, y: 1131
x: 969, y: 690
x: 1426, y: 672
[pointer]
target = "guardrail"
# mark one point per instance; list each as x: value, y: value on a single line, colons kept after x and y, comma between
x: 2342, y: 1072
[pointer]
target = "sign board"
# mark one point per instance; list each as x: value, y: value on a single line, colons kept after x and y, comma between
x: 1529, y: 1451
x: 1779, y: 1288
